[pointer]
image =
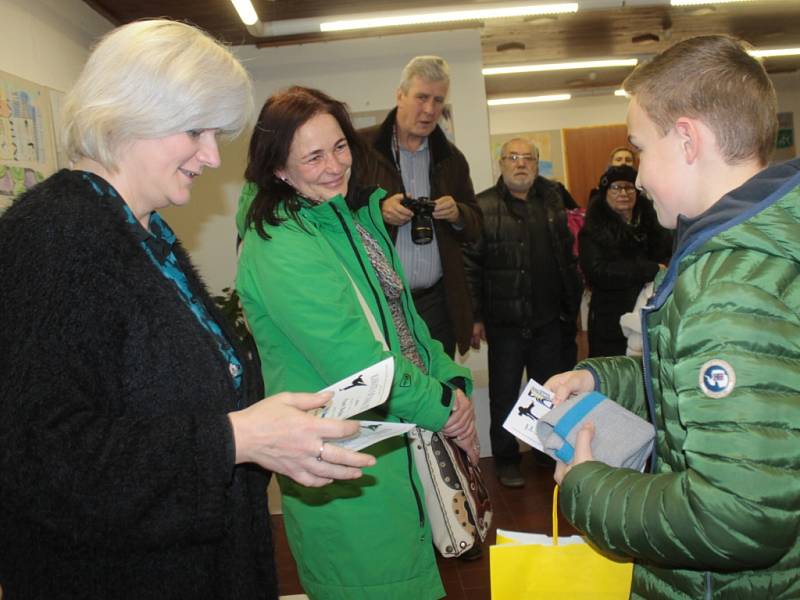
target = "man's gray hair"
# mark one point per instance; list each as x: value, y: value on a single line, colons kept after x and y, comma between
x: 534, y: 147
x: 428, y: 68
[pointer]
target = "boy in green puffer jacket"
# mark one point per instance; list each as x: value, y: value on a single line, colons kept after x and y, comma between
x: 718, y: 516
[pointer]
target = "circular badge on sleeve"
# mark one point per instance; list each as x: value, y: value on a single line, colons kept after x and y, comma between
x: 717, y: 378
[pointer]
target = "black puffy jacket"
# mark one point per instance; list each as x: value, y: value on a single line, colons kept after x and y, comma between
x: 498, y: 264
x: 617, y: 259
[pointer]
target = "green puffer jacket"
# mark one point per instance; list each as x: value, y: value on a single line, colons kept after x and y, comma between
x: 368, y: 538
x: 719, y: 516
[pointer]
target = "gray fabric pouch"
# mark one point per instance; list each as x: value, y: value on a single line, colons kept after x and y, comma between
x: 621, y: 438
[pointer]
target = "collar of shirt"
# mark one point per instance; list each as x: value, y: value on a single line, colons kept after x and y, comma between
x: 159, y: 238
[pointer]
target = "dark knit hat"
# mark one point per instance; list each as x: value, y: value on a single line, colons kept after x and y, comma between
x: 619, y: 173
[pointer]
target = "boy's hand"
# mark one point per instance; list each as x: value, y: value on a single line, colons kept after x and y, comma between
x: 566, y: 384
x: 583, y: 452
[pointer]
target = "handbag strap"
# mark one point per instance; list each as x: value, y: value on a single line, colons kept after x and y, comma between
x: 368, y: 313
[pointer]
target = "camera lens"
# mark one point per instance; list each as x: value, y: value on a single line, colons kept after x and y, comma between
x: 422, y: 221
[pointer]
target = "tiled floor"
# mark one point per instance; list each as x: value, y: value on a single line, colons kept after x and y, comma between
x: 525, y: 509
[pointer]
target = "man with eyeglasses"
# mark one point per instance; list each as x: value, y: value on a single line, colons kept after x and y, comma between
x: 411, y: 158
x: 525, y: 289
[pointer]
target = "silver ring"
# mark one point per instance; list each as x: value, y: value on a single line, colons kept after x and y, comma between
x: 321, y: 448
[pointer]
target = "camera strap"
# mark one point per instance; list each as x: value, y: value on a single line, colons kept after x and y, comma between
x: 396, y: 157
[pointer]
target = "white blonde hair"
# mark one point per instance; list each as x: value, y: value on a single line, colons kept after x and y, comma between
x: 150, y: 79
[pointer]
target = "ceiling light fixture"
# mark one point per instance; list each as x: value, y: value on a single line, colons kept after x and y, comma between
x: 621, y: 93
x: 775, y: 52
x: 697, y: 2
x: 584, y: 64
x: 528, y: 99
x: 400, y: 18
x: 246, y: 11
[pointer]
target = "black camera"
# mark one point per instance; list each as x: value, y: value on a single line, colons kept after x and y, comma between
x: 422, y: 221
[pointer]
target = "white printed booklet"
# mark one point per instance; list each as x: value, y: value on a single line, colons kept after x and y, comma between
x: 361, y: 391
x: 533, y: 404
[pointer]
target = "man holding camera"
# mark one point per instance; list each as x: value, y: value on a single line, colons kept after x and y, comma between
x: 431, y: 207
x: 525, y: 289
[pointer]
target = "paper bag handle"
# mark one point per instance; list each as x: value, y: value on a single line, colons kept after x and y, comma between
x: 555, y: 516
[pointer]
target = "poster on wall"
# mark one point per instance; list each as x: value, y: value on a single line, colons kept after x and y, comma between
x: 551, y: 162
x: 27, y: 148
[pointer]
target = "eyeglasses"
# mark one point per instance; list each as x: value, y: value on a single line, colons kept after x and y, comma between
x: 619, y: 188
x: 514, y: 157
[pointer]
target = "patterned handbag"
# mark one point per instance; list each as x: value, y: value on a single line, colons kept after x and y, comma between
x: 456, y: 498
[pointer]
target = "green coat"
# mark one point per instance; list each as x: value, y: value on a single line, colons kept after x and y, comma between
x: 368, y: 538
x: 719, y: 516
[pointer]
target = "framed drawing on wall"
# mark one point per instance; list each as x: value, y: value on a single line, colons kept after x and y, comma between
x: 27, y: 144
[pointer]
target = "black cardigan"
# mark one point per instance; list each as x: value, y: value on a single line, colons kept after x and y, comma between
x: 117, y: 476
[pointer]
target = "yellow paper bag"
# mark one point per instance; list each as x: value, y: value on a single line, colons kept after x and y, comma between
x: 528, y: 566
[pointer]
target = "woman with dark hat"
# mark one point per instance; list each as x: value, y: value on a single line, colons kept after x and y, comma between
x: 622, y: 247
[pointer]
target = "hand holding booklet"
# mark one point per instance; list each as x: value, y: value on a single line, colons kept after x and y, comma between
x: 621, y: 439
x: 357, y: 393
x: 534, y: 403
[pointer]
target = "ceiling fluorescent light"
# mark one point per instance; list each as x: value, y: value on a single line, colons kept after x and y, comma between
x: 246, y: 11
x: 527, y: 99
x: 621, y: 93
x: 584, y: 64
x: 400, y: 18
x: 698, y: 2
x: 775, y: 52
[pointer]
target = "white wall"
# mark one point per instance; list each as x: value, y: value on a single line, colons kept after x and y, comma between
x: 363, y: 73
x: 578, y: 112
x: 47, y: 41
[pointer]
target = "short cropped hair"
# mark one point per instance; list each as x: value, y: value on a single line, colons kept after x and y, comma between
x: 534, y: 147
x: 150, y: 79
x: 712, y: 78
x: 428, y: 68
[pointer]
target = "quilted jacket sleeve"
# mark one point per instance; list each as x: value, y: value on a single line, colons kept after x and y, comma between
x: 619, y: 378
x: 726, y: 493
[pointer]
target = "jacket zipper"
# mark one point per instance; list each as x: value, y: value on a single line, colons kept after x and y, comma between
x: 364, y: 270
x: 417, y: 497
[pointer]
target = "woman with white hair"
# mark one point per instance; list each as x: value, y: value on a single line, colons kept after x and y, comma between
x: 134, y: 441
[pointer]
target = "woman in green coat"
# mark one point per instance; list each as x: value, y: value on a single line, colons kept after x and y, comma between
x: 324, y: 294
